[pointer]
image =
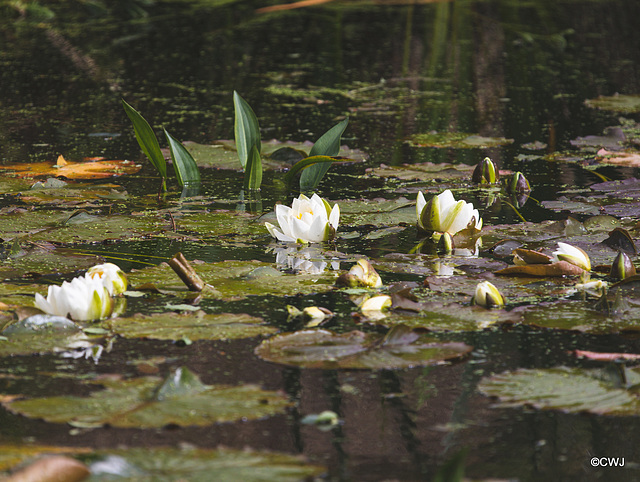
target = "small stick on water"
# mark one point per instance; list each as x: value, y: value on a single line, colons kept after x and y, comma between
x: 186, y: 272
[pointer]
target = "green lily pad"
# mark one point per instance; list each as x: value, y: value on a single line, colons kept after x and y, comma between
x: 234, y: 225
x: 457, y: 140
x: 40, y: 260
x: 194, y: 326
x: 355, y: 349
x: 200, y: 465
x: 571, y: 390
x: 12, y: 455
x: 426, y: 171
x: 61, y: 227
x: 223, y: 155
x: 625, y: 104
x: 56, y: 337
x: 236, y: 279
x: 377, y: 212
x: 150, y: 402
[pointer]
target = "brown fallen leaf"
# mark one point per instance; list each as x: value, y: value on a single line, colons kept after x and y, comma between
x: 52, y: 469
x: 593, y: 355
x: 93, y: 168
x: 619, y: 158
x: 530, y: 256
x: 561, y: 268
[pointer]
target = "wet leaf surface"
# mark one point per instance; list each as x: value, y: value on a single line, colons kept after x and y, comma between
x: 457, y: 140
x: 170, y: 464
x: 134, y: 403
x: 193, y: 326
x: 73, y: 170
x: 324, y: 349
x: 568, y: 389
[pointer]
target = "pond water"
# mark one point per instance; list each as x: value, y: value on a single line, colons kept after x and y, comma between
x: 430, y: 88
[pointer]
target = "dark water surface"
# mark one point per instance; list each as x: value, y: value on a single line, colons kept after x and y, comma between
x: 513, y: 69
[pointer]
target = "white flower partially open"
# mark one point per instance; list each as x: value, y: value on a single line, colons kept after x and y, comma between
x: 573, y: 255
x: 308, y: 220
x: 112, y: 277
x: 443, y: 214
x: 82, y: 299
x: 488, y: 295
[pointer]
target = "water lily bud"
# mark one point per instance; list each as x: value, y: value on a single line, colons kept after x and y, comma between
x: 376, y: 303
x: 445, y: 244
x: 82, y: 299
x: 519, y: 183
x: 308, y: 220
x: 622, y: 267
x: 361, y: 275
x: 485, y: 172
x: 112, y: 277
x: 487, y: 295
x: 573, y: 255
x: 443, y: 214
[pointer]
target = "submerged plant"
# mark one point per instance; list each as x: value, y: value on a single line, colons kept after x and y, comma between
x: 82, y: 299
x: 443, y: 214
x: 308, y: 220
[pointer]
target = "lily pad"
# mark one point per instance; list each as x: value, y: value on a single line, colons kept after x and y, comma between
x: 236, y: 279
x: 200, y: 465
x: 424, y: 171
x: 194, y: 326
x: 457, y: 140
x: 377, y: 212
x: 571, y: 390
x: 22, y: 339
x: 150, y: 402
x: 355, y: 349
x: 624, y: 104
x: 12, y: 455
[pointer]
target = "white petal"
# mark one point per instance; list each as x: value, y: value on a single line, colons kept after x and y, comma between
x: 334, y: 217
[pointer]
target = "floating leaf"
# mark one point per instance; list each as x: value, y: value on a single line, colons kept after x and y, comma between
x: 571, y: 390
x: 424, y: 171
x: 52, y: 336
x: 224, y: 465
x: 134, y: 404
x: 625, y: 104
x: 355, y: 349
x: 194, y: 326
x: 457, y: 140
x: 561, y: 268
x: 630, y: 158
x: 12, y: 455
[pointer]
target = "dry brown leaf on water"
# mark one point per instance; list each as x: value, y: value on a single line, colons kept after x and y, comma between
x: 91, y: 168
x: 52, y: 469
x: 312, y: 3
x: 599, y: 356
x: 561, y: 268
x: 621, y: 158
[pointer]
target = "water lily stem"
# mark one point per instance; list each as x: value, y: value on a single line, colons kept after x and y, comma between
x: 187, y: 274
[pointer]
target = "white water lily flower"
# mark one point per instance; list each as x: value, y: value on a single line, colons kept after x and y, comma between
x: 82, y: 299
x: 112, y: 277
x: 308, y: 220
x: 488, y: 295
x: 443, y: 214
x: 572, y: 254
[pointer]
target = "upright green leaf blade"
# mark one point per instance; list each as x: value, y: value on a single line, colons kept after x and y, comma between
x: 253, y: 171
x: 184, y: 164
x: 246, y: 129
x: 327, y: 145
x: 147, y: 139
x: 308, y: 162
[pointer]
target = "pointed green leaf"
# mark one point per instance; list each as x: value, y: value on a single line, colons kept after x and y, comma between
x: 246, y: 129
x: 253, y: 171
x: 147, y: 139
x: 183, y: 163
x: 309, y: 162
x: 327, y: 145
